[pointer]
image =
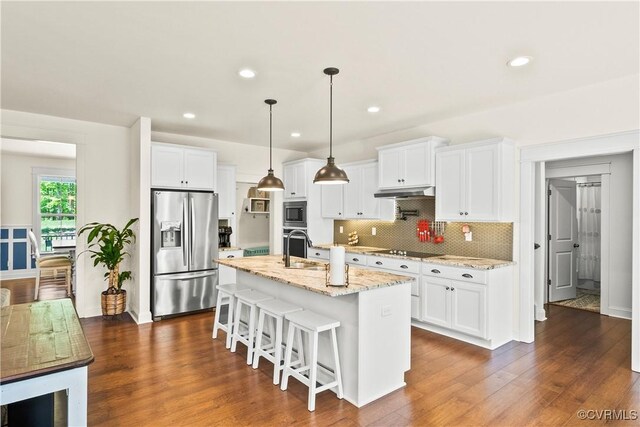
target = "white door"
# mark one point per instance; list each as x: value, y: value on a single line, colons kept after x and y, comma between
x: 370, y: 206
x: 450, y: 185
x: 436, y: 301
x: 389, y: 162
x: 289, y: 181
x: 416, y: 165
x: 167, y: 166
x: 482, y: 183
x: 332, y: 201
x: 563, y: 240
x: 200, y: 169
x: 352, y: 194
x: 468, y: 308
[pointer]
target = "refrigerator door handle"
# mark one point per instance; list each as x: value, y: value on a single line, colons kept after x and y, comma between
x: 189, y: 276
x: 192, y: 229
x: 183, y: 239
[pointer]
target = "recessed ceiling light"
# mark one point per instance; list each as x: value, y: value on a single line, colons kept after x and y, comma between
x: 373, y: 109
x: 189, y: 116
x: 295, y: 134
x: 519, y: 61
x: 247, y: 73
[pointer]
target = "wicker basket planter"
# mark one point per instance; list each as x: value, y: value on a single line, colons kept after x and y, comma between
x: 113, y: 303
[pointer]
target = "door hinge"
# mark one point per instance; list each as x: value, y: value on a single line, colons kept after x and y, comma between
x: 548, y: 281
x: 549, y: 192
x: 549, y: 237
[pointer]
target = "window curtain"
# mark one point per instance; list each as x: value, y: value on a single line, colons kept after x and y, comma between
x: 588, y: 209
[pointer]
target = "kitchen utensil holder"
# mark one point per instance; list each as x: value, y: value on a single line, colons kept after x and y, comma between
x: 327, y: 277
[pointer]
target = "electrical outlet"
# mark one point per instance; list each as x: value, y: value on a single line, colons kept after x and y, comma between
x: 341, y: 229
x: 386, y: 310
x: 373, y: 231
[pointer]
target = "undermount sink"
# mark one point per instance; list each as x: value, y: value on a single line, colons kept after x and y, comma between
x: 306, y: 266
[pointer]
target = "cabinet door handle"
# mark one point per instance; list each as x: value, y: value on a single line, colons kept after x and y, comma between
x: 339, y: 213
x: 461, y: 213
x: 467, y: 275
x: 403, y: 180
x: 453, y: 289
x: 404, y: 266
x: 399, y: 181
x: 466, y: 213
x: 355, y: 259
x: 182, y: 182
x: 293, y: 194
x: 435, y: 271
x: 231, y: 256
x: 378, y: 262
x: 317, y: 253
x: 448, y: 288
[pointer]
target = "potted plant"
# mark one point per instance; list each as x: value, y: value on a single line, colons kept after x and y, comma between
x: 108, y: 246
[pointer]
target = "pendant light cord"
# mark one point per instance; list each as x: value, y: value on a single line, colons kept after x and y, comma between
x: 331, y: 116
x: 270, y: 137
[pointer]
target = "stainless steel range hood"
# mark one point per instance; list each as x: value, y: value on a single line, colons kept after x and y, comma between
x: 409, y: 193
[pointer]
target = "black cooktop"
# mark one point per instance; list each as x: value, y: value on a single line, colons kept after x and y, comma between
x: 406, y: 253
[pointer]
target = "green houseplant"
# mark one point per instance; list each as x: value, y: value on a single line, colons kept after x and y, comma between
x: 108, y: 246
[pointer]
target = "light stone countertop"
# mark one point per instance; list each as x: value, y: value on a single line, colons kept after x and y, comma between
x: 229, y: 248
x: 272, y: 267
x: 451, y: 260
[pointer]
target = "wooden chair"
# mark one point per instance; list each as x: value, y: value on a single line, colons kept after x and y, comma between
x: 50, y: 265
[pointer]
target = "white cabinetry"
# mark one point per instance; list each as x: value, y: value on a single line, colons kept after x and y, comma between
x: 174, y: 166
x: 295, y: 179
x: 227, y: 275
x: 356, y: 200
x: 471, y: 305
x: 226, y: 191
x: 476, y: 181
x: 319, y: 254
x: 408, y: 164
x: 402, y: 267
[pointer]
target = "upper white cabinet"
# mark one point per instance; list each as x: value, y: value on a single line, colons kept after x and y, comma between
x: 355, y: 200
x: 226, y: 191
x: 296, y: 179
x: 174, y: 166
x: 475, y: 182
x: 408, y: 164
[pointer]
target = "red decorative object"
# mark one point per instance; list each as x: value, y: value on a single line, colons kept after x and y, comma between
x: 423, y: 231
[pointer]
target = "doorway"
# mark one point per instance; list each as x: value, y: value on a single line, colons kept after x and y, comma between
x: 39, y: 196
x: 574, y: 251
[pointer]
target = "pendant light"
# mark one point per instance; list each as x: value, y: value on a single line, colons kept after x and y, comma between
x: 270, y: 182
x: 330, y: 173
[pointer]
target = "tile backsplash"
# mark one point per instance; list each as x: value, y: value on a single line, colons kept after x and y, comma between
x: 490, y: 240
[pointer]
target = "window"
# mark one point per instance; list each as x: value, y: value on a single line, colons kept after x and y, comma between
x: 57, y: 209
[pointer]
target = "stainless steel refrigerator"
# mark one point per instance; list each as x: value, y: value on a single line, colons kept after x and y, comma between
x: 185, y: 245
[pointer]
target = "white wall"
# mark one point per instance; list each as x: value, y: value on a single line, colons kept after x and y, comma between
x: 620, y: 214
x: 17, y: 184
x: 103, y: 176
x: 252, y: 229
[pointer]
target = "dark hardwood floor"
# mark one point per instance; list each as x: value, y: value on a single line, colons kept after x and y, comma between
x: 172, y: 373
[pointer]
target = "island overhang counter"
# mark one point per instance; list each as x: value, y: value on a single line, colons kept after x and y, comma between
x: 374, y: 337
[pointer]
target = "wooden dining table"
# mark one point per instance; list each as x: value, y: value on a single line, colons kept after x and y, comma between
x: 44, y: 350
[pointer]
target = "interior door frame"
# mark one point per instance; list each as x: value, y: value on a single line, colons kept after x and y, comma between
x: 601, y: 145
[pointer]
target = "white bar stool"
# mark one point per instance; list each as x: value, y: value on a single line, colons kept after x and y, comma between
x: 311, y: 323
x: 225, y: 296
x: 276, y: 310
x: 247, y: 298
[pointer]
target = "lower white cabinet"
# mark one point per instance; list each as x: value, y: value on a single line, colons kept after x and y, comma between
x: 227, y: 275
x: 472, y: 305
x: 319, y: 254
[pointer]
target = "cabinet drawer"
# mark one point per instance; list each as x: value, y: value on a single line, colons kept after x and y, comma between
x: 415, y: 307
x: 399, y: 265
x: 356, y: 259
x: 455, y: 273
x: 318, y: 253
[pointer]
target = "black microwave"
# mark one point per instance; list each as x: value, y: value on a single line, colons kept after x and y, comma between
x: 295, y: 214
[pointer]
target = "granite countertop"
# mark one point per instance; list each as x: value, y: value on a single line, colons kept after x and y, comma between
x: 452, y: 260
x: 229, y: 248
x: 272, y: 267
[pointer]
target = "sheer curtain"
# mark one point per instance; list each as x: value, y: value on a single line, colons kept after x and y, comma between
x: 588, y: 209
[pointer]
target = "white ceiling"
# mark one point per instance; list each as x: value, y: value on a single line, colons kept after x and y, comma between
x: 112, y: 62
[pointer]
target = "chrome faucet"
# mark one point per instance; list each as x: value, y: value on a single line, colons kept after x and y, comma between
x: 287, y: 258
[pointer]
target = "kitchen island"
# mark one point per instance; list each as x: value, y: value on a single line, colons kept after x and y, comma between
x: 374, y: 337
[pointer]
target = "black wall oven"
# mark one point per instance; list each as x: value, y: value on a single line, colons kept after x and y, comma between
x: 297, y: 242
x: 295, y: 215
